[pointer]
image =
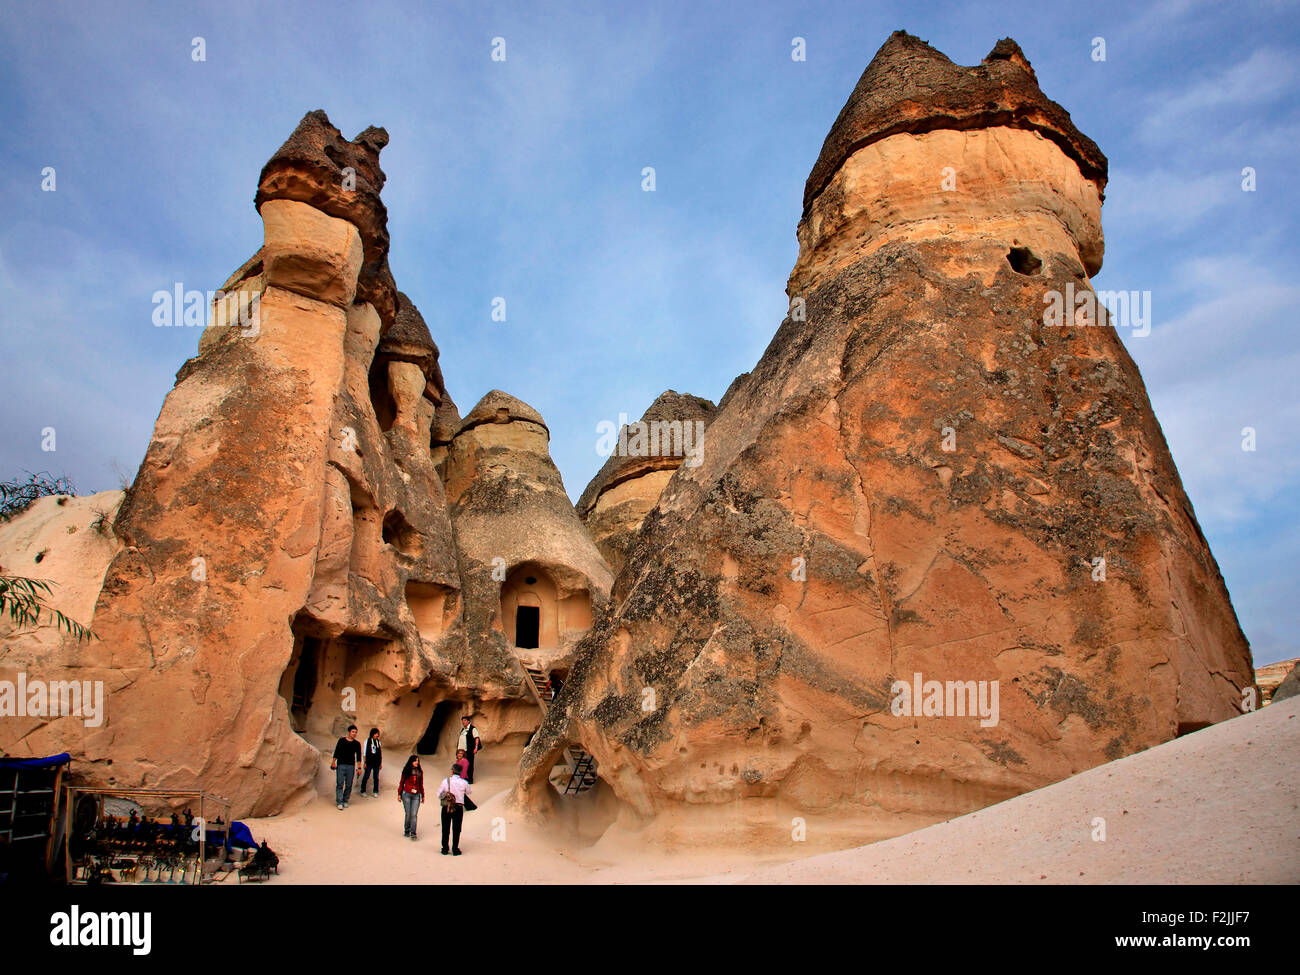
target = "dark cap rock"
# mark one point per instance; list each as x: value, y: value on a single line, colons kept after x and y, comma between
x: 670, y: 405
x: 499, y: 407
x: 911, y: 87
x: 309, y: 168
x: 408, y: 340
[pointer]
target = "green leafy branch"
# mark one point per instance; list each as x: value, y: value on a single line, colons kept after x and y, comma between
x: 24, y: 600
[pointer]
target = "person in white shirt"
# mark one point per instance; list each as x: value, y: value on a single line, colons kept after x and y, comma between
x: 470, y: 742
x: 453, y: 810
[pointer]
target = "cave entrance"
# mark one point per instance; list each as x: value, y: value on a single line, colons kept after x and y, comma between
x: 528, y: 624
x: 305, y: 679
x: 320, y: 668
x: 428, y: 745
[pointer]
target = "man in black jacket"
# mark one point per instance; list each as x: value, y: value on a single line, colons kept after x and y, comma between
x: 346, y: 764
x: 469, y: 740
x: 374, y: 758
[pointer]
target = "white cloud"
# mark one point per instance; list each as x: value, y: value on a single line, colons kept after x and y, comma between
x: 1265, y: 75
x: 1162, y: 202
x: 1228, y: 362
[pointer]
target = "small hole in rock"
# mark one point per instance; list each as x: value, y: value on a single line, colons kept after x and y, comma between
x: 1023, y: 261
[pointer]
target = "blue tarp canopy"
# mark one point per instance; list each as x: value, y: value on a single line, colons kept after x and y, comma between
x: 241, y: 835
x: 54, y: 761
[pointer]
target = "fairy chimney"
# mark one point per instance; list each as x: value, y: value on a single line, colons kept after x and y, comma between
x: 936, y: 552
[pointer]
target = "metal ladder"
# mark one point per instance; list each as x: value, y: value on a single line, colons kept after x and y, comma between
x: 583, y: 764
x: 10, y: 815
x: 584, y: 771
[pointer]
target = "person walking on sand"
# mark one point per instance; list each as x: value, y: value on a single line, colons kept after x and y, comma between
x: 374, y: 759
x: 452, y: 793
x: 410, y: 793
x: 463, y: 763
x: 346, y: 764
x: 471, y: 744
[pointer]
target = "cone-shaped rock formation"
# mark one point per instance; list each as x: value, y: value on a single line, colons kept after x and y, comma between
x: 535, y: 576
x: 642, y: 460
x: 936, y: 552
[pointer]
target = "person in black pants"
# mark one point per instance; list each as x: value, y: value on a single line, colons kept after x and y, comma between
x: 346, y: 764
x: 453, y: 808
x: 469, y: 741
x: 374, y: 756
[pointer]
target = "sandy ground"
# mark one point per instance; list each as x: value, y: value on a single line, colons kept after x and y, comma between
x: 1218, y: 806
x: 318, y: 844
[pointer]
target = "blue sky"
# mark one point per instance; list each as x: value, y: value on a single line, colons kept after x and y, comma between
x: 522, y: 179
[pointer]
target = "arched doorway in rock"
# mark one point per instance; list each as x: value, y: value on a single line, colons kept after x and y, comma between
x: 561, y: 782
x: 536, y: 611
x: 443, y: 711
x: 530, y: 608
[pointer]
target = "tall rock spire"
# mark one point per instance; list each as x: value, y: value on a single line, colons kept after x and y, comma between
x: 288, y: 564
x: 924, y: 483
x: 519, y: 542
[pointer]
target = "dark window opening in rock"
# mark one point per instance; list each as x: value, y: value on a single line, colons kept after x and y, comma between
x: 399, y: 534
x: 428, y: 745
x: 528, y: 626
x: 1187, y: 727
x: 531, y: 586
x: 381, y: 399
x: 1023, y: 261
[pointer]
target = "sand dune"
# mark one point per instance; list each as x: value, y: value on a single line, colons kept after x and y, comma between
x: 1221, y: 806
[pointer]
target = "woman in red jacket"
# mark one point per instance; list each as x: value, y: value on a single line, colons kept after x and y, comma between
x: 410, y: 792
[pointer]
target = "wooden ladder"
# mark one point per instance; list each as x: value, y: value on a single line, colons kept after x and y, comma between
x: 582, y: 764
x: 541, y: 686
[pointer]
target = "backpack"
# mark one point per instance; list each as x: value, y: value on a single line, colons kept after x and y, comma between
x: 448, y: 797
